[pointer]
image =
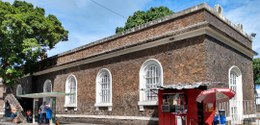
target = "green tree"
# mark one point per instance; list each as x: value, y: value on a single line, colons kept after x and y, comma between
x: 256, y: 68
x: 141, y: 17
x: 26, y: 33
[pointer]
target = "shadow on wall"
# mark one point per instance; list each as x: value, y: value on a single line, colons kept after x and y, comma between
x: 154, y: 115
x: 45, y: 64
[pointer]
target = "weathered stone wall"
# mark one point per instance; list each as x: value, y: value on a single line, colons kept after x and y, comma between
x: 108, y: 121
x: 26, y: 83
x: 220, y: 58
x: 230, y: 31
x: 173, y: 22
x: 135, y: 37
x: 1, y: 98
x: 181, y: 62
x: 195, y: 59
x: 39, y: 82
x: 155, y: 30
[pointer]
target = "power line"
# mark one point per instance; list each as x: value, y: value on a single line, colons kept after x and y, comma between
x: 114, y: 12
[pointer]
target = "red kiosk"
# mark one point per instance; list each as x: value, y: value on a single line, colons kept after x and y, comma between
x: 177, y: 105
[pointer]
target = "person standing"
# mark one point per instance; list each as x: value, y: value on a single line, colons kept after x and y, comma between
x: 48, y: 114
x: 13, y: 114
x: 29, y: 116
x: 43, y: 109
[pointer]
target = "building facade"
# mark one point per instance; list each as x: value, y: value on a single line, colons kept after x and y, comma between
x: 2, y: 91
x: 114, y: 80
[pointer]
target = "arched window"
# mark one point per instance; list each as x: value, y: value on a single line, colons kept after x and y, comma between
x: 47, y: 87
x: 151, y: 76
x: 236, y: 103
x: 71, y: 91
x: 104, y: 89
x: 19, y: 90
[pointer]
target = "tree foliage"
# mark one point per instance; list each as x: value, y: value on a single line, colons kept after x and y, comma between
x: 26, y: 33
x: 141, y: 17
x: 256, y: 68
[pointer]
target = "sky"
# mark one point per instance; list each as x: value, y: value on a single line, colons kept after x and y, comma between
x: 91, y: 20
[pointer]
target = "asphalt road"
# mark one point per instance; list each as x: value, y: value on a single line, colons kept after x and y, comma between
x: 8, y: 123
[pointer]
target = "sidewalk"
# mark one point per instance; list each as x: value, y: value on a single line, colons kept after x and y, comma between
x: 3, y: 121
x: 8, y: 123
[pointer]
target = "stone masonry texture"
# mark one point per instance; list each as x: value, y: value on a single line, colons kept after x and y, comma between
x: 180, y: 61
x: 195, y: 59
x: 135, y: 37
x: 1, y: 99
x: 220, y: 58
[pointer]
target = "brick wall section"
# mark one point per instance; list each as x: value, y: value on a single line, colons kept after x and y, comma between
x: 175, y: 23
x: 26, y: 83
x: 135, y: 37
x: 181, y: 62
x: 220, y: 58
x: 1, y: 99
x: 108, y: 121
x: 2, y: 93
x: 40, y: 82
x: 192, y: 60
x: 224, y: 27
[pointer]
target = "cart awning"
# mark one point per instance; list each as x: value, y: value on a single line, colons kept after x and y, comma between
x: 43, y: 94
x: 180, y: 86
x: 215, y: 95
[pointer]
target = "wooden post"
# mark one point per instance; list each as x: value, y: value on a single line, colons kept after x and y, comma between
x: 35, y: 109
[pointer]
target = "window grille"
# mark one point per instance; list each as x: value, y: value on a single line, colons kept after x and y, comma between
x: 47, y: 87
x: 71, y: 92
x: 235, y: 105
x: 233, y: 82
x: 105, y: 87
x: 152, y: 80
x: 19, y: 90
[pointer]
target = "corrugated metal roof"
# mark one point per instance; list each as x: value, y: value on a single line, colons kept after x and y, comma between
x: 42, y: 95
x: 180, y: 86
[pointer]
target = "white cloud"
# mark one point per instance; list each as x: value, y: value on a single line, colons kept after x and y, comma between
x: 248, y: 14
x: 86, y: 21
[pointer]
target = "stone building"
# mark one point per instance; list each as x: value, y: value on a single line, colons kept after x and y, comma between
x: 2, y: 91
x: 112, y: 80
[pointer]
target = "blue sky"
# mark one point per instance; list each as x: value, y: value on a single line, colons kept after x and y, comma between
x: 257, y: 86
x: 87, y: 22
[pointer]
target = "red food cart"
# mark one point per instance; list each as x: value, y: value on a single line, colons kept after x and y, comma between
x: 177, y: 105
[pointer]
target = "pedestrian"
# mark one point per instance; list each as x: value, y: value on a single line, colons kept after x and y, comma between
x: 29, y: 116
x: 13, y: 114
x: 39, y: 116
x: 43, y: 108
x: 48, y: 115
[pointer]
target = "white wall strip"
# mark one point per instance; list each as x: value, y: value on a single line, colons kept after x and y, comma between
x: 110, y: 117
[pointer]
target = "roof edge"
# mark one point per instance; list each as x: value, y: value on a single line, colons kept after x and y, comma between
x: 156, y: 22
x: 194, y: 85
x: 137, y: 28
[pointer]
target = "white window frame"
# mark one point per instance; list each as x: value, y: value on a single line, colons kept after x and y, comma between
x: 99, y: 102
x: 142, y: 81
x: 66, y: 104
x: 19, y: 90
x: 237, y: 101
x: 45, y: 86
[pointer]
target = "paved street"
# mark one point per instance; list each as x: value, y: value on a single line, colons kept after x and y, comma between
x: 8, y: 123
x: 4, y: 121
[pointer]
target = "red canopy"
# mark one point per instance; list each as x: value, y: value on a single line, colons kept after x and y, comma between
x: 214, y: 95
